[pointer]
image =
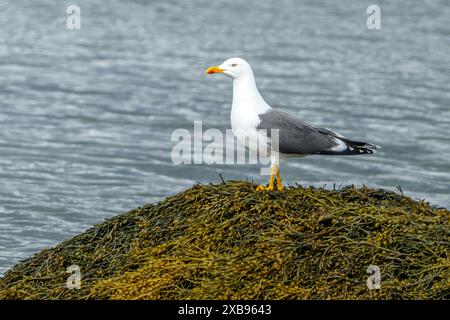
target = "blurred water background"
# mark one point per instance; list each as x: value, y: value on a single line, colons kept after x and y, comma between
x: 86, y: 115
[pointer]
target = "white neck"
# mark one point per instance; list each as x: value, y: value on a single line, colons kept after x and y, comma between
x: 246, y: 95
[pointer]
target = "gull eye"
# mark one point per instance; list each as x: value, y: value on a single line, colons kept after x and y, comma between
x: 234, y: 65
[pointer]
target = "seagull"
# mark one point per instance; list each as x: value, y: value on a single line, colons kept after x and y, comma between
x: 250, y: 113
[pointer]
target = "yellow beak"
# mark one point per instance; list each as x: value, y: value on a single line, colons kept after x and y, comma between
x: 214, y: 69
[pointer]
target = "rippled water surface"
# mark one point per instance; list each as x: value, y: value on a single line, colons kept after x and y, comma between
x: 86, y: 115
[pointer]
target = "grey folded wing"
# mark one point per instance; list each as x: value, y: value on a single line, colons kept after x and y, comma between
x: 295, y: 135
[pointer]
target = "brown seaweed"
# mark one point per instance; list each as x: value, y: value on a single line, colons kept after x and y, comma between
x: 227, y: 241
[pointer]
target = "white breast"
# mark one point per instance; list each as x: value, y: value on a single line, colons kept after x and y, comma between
x: 243, y: 118
x: 247, y: 105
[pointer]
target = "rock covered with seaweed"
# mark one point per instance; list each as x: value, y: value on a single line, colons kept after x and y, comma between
x: 229, y: 242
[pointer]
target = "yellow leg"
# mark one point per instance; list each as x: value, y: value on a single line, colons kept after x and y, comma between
x: 279, y: 183
x: 274, y: 173
x: 271, y: 182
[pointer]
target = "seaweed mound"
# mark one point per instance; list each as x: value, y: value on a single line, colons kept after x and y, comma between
x: 227, y: 241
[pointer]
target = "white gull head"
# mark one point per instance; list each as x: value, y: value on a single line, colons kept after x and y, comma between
x: 236, y: 68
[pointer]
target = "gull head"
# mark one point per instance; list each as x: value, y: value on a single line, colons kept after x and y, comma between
x: 234, y: 68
